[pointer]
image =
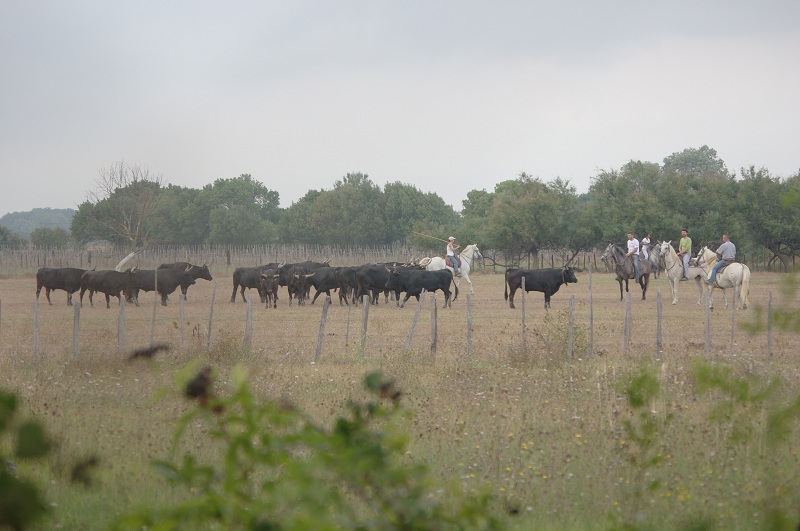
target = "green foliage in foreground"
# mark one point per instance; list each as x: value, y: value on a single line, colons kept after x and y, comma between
x: 278, y: 470
x: 21, y: 504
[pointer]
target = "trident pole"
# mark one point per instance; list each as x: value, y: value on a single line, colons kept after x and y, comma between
x: 428, y: 236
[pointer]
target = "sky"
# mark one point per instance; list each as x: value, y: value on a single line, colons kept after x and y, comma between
x: 449, y: 96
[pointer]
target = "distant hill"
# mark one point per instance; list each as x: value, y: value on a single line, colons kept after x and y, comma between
x: 23, y: 223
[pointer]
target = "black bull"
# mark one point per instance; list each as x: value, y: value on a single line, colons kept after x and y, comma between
x: 545, y: 280
x: 249, y: 277
x: 168, y: 282
x: 413, y: 282
x: 111, y: 283
x: 51, y: 279
x: 195, y: 271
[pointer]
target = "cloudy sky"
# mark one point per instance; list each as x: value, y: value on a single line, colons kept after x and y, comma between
x: 450, y: 96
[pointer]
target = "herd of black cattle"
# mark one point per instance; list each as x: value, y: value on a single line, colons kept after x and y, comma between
x: 352, y: 283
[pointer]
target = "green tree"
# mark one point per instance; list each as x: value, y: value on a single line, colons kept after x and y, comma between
x: 293, y: 226
x: 9, y: 238
x: 407, y: 206
x: 701, y: 162
x: 239, y: 225
x: 529, y: 215
x: 244, y: 191
x: 121, y: 206
x: 351, y: 213
x: 45, y: 236
x: 775, y: 222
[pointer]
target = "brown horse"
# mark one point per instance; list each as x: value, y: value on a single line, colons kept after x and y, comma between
x: 614, y: 255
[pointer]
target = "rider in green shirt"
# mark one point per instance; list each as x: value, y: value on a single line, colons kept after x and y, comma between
x: 685, y: 252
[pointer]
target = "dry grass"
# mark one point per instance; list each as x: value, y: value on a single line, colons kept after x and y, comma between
x: 543, y: 430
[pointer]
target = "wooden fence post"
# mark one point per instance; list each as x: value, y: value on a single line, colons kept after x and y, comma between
x: 364, y: 319
x: 522, y: 298
x: 211, y: 316
x: 434, y: 325
x: 407, y: 346
x: 182, y: 322
x: 469, y: 325
x: 570, y: 333
x: 121, y: 325
x: 248, y: 327
x: 733, y: 316
x: 626, y: 330
x: 36, y: 331
x: 659, y: 341
x: 708, y: 323
x: 769, y: 325
x: 591, y: 312
x: 76, y: 326
x: 321, y: 333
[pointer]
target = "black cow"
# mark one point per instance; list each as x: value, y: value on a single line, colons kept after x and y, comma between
x: 269, y: 286
x: 250, y: 277
x: 111, y: 283
x: 413, y: 281
x: 195, y: 271
x: 51, y: 279
x: 545, y: 280
x: 371, y: 280
x: 346, y: 281
x: 299, y: 283
x: 168, y: 282
x: 323, y: 280
x: 285, y: 271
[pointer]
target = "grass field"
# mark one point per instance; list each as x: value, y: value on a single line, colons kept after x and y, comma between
x: 543, y: 431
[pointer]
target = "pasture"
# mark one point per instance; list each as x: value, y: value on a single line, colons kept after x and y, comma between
x: 544, y: 432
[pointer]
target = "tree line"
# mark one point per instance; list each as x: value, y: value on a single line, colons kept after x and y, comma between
x: 690, y: 189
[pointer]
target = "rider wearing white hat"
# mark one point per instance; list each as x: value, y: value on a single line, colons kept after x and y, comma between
x: 451, y: 252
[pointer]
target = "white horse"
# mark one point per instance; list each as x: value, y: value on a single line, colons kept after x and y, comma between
x: 468, y: 254
x: 674, y: 271
x: 736, y: 275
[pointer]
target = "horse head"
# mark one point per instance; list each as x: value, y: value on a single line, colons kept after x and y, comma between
x: 665, y: 247
x: 704, y: 255
x: 607, y: 253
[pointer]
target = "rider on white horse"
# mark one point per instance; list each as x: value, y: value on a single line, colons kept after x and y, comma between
x: 727, y: 253
x: 451, y: 253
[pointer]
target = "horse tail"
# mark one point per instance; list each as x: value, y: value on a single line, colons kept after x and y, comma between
x: 744, y: 290
x: 506, y: 284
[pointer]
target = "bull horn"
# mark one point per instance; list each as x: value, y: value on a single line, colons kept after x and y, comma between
x: 126, y: 259
x: 188, y: 268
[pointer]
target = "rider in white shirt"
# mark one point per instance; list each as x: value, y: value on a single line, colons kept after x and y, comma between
x: 451, y: 252
x: 633, y: 250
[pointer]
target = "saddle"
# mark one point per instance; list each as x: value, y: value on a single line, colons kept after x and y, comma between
x: 725, y: 264
x: 448, y: 260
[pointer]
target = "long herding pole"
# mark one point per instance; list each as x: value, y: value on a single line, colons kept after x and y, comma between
x: 428, y: 236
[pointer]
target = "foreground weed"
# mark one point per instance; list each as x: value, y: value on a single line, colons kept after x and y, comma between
x: 21, y: 503
x: 739, y: 399
x: 280, y: 470
x: 642, y: 445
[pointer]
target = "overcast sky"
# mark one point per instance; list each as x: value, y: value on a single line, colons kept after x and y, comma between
x: 448, y: 96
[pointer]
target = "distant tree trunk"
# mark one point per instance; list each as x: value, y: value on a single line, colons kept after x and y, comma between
x: 786, y: 260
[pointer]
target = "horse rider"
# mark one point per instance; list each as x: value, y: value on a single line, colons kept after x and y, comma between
x: 646, y: 245
x: 685, y: 252
x: 633, y: 250
x: 727, y: 255
x: 451, y: 253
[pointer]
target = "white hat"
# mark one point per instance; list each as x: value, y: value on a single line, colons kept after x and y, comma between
x: 451, y: 238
